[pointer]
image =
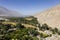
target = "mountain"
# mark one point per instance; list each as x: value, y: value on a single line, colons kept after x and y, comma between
x: 50, y: 16
x: 6, y: 12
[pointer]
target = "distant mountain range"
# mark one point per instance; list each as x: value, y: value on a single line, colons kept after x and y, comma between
x: 6, y: 12
x: 50, y: 16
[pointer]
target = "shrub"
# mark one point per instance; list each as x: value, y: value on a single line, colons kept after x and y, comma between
x: 43, y: 35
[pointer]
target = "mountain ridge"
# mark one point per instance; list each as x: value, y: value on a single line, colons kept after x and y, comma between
x: 6, y: 12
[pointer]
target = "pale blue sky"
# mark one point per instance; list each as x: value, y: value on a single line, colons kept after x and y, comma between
x: 28, y: 7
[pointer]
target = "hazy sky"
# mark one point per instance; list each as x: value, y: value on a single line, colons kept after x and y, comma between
x: 28, y: 7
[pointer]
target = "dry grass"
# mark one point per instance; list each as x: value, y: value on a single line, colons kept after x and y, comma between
x: 13, y: 23
x: 27, y: 25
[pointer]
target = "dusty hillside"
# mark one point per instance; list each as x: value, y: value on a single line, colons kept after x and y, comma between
x: 50, y: 16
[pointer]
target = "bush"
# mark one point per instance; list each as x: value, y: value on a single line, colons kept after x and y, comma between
x: 54, y: 31
x: 43, y: 35
x: 33, y: 32
x: 58, y: 32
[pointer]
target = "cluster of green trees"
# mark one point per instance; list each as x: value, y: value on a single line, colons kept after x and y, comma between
x: 7, y: 32
x: 44, y: 27
x: 23, y: 20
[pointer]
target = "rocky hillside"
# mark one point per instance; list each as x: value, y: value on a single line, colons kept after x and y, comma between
x: 50, y: 16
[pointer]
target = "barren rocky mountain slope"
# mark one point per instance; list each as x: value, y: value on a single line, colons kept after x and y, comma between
x: 50, y: 16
